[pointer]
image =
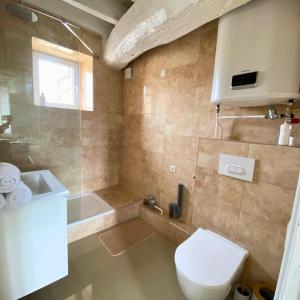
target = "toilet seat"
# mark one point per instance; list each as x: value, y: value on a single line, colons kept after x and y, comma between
x: 208, y: 259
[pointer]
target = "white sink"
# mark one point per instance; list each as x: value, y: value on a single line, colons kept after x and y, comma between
x: 43, y: 184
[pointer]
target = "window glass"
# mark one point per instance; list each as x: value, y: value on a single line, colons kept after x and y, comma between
x: 56, y: 82
x: 62, y: 77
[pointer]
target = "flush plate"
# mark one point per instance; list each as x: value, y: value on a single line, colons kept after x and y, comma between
x: 236, y: 166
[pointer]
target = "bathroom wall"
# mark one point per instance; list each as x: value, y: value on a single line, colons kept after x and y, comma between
x: 101, y: 128
x: 168, y: 120
x: 81, y: 148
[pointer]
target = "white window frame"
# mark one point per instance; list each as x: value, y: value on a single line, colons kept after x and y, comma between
x: 36, y: 84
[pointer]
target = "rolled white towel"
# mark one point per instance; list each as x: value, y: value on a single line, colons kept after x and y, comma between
x: 2, y: 201
x: 19, y: 197
x: 9, y: 177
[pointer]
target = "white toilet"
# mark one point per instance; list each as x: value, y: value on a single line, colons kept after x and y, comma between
x: 207, y: 265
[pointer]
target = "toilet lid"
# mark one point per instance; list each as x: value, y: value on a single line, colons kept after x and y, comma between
x: 209, y: 259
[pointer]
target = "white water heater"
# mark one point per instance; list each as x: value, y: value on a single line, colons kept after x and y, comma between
x: 258, y: 54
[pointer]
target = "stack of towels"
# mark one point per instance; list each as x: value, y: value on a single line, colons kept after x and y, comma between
x: 13, y: 192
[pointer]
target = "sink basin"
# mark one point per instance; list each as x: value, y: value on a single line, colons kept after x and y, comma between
x: 43, y: 184
x: 36, y: 182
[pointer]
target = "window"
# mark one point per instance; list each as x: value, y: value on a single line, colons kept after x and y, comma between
x: 56, y: 81
x: 62, y: 78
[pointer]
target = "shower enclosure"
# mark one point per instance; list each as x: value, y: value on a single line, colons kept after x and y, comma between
x: 78, y: 142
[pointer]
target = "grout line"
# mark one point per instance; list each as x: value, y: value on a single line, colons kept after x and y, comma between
x: 194, y: 183
x: 240, y: 213
x: 242, y: 199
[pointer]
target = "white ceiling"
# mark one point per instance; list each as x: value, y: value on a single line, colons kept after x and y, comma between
x: 99, y: 16
x: 107, y: 10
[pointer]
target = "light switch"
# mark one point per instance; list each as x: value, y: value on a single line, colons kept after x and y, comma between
x: 163, y: 73
x: 127, y: 74
x: 236, y: 166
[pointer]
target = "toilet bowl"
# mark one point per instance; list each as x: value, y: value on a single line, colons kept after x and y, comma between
x: 207, y: 265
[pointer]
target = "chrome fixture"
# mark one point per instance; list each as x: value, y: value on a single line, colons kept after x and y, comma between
x: 272, y: 114
x: 27, y: 13
x: 21, y: 11
x: 152, y: 203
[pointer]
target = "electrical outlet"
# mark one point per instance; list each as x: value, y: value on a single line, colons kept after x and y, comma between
x: 172, y: 168
x: 163, y: 73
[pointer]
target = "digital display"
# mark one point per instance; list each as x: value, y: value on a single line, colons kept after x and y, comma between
x: 245, y: 80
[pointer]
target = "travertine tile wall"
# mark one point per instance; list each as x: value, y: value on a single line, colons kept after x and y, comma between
x: 81, y: 148
x: 101, y: 129
x: 169, y: 120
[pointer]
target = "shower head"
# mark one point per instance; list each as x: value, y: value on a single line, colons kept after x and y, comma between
x: 20, y: 11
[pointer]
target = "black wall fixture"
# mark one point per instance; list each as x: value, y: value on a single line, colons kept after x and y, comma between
x: 175, y: 209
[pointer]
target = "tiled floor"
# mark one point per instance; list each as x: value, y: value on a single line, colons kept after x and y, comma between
x: 145, y: 272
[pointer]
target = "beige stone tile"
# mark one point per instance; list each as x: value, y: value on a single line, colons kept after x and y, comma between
x: 154, y: 123
x: 52, y: 117
x: 180, y: 86
x: 176, y: 105
x: 204, y: 122
x: 133, y: 94
x: 72, y: 119
x: 60, y: 136
x: 265, y: 242
x: 268, y: 202
x: 114, y: 137
x: 132, y: 155
x: 94, y: 120
x: 133, y: 122
x: 182, y: 147
x: 277, y: 165
x: 210, y: 150
x: 150, y: 123
x: 185, y: 169
x: 131, y: 138
x: 217, y: 188
x: 94, y: 136
x: 203, y: 94
x: 153, y: 161
x: 156, y: 103
x: 163, y: 225
x: 153, y: 142
x: 118, y: 196
x: 211, y: 213
x: 169, y: 184
x: 114, y: 121
x: 179, y: 124
x: 256, y: 131
x: 131, y: 176
x: 25, y: 115
x: 150, y: 182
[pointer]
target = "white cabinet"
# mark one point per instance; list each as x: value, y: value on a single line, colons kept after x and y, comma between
x: 33, y: 239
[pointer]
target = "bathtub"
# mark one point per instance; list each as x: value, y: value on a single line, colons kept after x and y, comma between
x: 87, y: 206
x: 89, y: 214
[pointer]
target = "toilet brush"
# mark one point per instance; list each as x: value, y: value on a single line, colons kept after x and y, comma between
x: 242, y: 292
x: 246, y: 274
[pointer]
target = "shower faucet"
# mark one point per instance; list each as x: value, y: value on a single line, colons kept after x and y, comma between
x: 175, y: 209
x: 151, y: 202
